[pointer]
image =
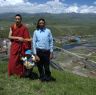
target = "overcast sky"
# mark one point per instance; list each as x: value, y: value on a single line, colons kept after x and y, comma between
x: 49, y: 6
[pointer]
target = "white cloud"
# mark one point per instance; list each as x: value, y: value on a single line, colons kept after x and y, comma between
x: 10, y: 2
x: 87, y: 9
x: 94, y: 2
x: 72, y: 8
x: 51, y: 6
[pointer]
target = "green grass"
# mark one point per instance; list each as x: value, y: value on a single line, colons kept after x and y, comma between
x: 93, y: 57
x: 60, y: 24
x: 66, y: 84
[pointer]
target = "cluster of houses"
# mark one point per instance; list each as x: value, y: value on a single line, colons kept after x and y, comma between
x: 4, y: 45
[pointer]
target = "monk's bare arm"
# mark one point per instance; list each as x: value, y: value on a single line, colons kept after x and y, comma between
x: 13, y: 37
x: 28, y: 39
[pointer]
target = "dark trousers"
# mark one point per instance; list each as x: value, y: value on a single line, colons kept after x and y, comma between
x: 43, y: 64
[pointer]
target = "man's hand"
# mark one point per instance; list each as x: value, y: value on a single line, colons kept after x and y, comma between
x: 21, y: 39
x: 51, y: 55
x: 28, y: 39
x: 37, y: 58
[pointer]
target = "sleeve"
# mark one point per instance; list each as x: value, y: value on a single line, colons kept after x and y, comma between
x: 51, y: 41
x: 34, y: 42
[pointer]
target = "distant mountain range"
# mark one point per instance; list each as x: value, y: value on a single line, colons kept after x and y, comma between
x: 64, y: 18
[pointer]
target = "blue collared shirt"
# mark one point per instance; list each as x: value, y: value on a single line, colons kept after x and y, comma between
x: 42, y: 39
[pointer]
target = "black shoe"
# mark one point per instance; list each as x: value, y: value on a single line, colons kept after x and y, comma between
x: 33, y: 76
x: 42, y: 79
x: 26, y: 75
x: 52, y: 79
x: 48, y: 79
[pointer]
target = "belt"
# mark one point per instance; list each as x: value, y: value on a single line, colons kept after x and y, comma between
x: 42, y: 50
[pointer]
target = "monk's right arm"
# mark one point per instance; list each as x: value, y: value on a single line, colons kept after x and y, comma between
x: 14, y: 37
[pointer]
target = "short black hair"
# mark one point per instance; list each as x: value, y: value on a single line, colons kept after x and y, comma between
x: 19, y: 16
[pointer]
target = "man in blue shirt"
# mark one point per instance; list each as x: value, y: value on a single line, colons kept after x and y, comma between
x: 43, y: 48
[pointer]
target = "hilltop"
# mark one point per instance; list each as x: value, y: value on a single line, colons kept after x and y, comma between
x: 67, y: 83
x: 61, y: 24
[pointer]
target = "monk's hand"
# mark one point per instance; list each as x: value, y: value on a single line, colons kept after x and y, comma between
x: 21, y: 39
x: 51, y: 55
x: 28, y: 39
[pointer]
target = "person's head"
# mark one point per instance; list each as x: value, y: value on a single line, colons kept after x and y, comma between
x: 18, y: 19
x: 28, y: 53
x: 41, y: 23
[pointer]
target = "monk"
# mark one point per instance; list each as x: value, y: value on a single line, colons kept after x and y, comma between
x: 20, y: 41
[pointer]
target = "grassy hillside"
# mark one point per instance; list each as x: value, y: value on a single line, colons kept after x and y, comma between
x: 66, y: 84
x: 61, y: 24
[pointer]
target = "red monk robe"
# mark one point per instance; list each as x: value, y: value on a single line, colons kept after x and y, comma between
x: 15, y: 66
